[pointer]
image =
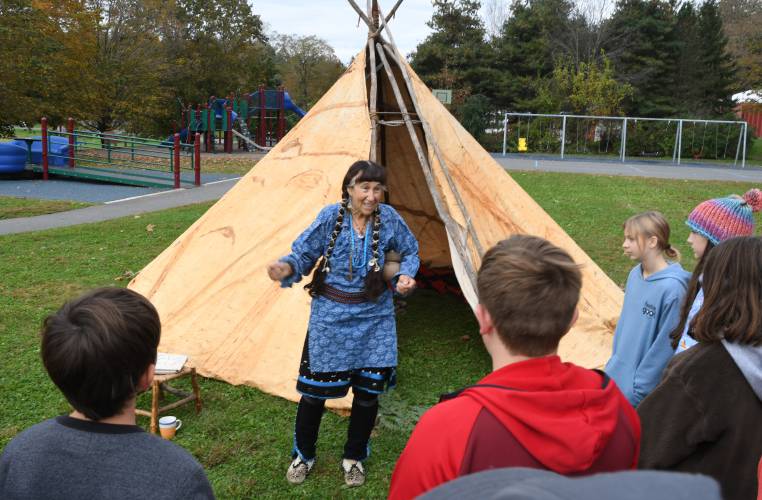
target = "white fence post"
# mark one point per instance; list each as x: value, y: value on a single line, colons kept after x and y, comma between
x: 624, y: 138
x: 505, y: 133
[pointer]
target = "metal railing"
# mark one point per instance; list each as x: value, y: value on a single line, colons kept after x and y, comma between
x: 87, y: 149
x: 557, y: 130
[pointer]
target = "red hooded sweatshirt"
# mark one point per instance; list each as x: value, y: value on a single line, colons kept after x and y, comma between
x: 539, y: 413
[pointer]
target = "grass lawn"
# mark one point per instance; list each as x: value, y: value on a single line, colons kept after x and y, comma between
x: 755, y: 150
x: 11, y: 207
x: 243, y: 436
x: 236, y: 163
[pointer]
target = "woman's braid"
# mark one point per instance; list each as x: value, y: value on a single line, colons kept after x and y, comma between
x: 335, y: 234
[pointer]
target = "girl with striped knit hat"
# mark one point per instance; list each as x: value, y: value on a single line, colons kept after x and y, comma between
x: 712, y: 222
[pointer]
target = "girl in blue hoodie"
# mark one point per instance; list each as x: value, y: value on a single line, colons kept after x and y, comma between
x: 652, y: 297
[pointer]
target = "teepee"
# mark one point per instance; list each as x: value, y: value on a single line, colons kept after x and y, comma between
x: 210, y: 286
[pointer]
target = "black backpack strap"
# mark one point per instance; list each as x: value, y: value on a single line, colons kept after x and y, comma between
x: 453, y: 395
x: 606, y: 378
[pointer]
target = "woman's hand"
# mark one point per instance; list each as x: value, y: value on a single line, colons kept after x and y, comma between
x: 279, y: 270
x: 405, y: 284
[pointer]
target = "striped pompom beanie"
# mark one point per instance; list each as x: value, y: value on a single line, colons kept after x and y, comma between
x: 723, y: 218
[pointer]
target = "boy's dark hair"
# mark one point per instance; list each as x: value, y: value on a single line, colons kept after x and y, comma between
x: 732, y: 293
x: 531, y: 288
x: 96, y: 348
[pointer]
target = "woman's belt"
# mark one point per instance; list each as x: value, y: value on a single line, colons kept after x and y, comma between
x: 337, y: 295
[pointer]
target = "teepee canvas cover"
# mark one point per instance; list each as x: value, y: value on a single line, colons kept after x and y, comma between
x: 211, y: 288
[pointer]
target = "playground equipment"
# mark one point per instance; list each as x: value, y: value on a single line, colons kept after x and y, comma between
x: 12, y: 158
x: 114, y: 158
x: 259, y: 117
x: 638, y: 137
x: 58, y: 147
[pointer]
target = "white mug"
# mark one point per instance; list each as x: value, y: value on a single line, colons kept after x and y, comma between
x: 168, y: 426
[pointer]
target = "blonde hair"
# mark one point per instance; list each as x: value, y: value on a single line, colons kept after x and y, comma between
x: 652, y: 224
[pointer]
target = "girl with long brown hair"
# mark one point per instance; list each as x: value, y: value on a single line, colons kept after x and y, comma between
x: 704, y: 417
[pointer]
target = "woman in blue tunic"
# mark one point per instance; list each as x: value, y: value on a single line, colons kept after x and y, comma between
x: 351, y: 338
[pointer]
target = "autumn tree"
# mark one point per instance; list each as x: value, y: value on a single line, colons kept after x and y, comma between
x: 307, y: 66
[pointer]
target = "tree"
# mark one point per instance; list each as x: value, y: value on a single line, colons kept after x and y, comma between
x: 688, y: 69
x: 456, y: 55
x: 644, y: 49
x: 46, y: 49
x: 717, y: 67
x: 587, y: 88
x: 527, y: 47
x: 129, y: 91
x: 307, y: 66
x: 741, y: 21
x: 496, y: 12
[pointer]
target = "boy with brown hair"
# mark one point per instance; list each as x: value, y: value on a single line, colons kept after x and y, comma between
x: 533, y: 410
x: 100, y: 351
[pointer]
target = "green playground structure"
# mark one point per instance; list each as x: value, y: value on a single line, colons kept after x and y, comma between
x: 115, y: 158
x: 258, y: 120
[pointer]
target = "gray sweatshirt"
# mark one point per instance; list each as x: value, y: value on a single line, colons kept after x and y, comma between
x: 68, y: 458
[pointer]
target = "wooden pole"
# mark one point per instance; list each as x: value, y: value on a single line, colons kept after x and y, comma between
x: 176, y: 166
x: 360, y: 12
x: 197, y: 159
x: 228, y: 129
x: 262, y: 137
x: 70, y: 130
x: 435, y: 146
x: 384, y: 20
x: 44, y: 147
x: 452, y: 227
x: 281, y: 113
x: 373, y: 91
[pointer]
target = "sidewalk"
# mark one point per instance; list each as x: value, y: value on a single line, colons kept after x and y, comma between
x: 661, y: 170
x: 214, y: 190
x: 121, y: 208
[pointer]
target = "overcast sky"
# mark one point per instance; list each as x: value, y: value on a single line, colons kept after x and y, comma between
x: 336, y: 22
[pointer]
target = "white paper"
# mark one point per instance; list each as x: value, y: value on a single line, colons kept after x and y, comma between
x: 169, y: 363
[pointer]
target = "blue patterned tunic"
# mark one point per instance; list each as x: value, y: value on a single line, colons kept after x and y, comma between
x: 351, y: 336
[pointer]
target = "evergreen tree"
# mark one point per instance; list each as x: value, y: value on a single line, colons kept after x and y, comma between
x: 717, y: 68
x: 530, y: 41
x: 644, y: 50
x: 456, y: 55
x: 688, y: 70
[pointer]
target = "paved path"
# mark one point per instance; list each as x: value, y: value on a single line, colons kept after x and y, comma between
x: 151, y: 200
x: 121, y: 208
x: 703, y: 172
x: 58, y: 188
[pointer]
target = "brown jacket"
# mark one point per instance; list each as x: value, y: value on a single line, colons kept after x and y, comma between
x: 704, y: 417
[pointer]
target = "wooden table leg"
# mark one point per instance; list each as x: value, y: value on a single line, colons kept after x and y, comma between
x: 196, y: 390
x: 155, y: 407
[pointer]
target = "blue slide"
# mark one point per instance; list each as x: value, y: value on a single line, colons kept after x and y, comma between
x: 12, y: 158
x: 289, y: 105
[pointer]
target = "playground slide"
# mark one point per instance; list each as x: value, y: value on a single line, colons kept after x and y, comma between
x: 12, y: 158
x: 58, y: 149
x: 289, y: 105
x: 250, y: 141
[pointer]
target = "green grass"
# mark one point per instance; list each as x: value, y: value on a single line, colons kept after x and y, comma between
x: 243, y: 436
x: 11, y: 207
x: 755, y: 150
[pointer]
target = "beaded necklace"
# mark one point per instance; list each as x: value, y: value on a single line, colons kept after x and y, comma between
x: 357, y: 261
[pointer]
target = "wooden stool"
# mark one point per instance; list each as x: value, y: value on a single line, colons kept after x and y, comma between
x: 159, y: 385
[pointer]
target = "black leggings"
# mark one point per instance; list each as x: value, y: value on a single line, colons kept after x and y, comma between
x: 361, y: 422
